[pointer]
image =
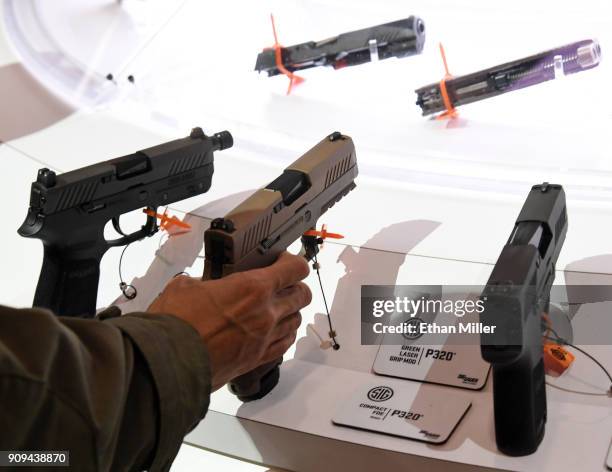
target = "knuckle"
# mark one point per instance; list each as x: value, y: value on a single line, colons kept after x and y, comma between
x: 279, y: 349
x: 301, y: 266
x: 306, y: 293
x: 297, y: 321
x: 288, y: 341
x: 285, y: 308
x: 177, y: 283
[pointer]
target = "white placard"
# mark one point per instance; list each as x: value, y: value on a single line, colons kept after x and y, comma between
x: 406, y: 412
x: 457, y: 362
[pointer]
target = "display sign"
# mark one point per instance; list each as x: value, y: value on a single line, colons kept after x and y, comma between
x: 414, y: 413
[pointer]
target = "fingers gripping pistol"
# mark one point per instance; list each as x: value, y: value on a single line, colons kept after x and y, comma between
x: 516, y: 295
x: 68, y: 212
x: 254, y: 233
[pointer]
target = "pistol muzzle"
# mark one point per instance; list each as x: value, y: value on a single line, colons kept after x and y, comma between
x: 222, y: 140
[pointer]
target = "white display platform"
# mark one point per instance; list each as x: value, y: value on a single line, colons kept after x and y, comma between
x: 314, y: 381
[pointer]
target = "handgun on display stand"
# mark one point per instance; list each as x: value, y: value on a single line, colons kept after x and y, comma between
x: 400, y: 38
x: 461, y: 90
x: 258, y: 230
x: 68, y: 212
x: 516, y: 296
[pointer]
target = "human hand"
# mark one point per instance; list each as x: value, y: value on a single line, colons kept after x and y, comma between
x: 245, y: 319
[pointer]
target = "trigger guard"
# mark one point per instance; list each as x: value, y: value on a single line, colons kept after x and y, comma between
x: 148, y: 229
x: 117, y: 226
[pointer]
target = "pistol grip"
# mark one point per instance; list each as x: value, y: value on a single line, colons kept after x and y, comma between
x: 256, y: 383
x: 519, y: 402
x: 68, y: 286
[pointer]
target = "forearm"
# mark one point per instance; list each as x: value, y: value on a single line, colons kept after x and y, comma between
x: 181, y: 375
x: 92, y: 386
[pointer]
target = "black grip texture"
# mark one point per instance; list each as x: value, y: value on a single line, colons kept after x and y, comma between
x: 520, y: 407
x: 68, y: 286
x: 258, y: 382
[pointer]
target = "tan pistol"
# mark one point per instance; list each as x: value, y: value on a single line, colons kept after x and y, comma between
x: 257, y: 231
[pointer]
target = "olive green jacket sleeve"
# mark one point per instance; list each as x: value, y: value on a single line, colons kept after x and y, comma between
x: 118, y: 394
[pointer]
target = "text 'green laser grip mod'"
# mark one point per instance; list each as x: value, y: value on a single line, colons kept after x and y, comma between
x: 68, y: 212
x: 258, y: 230
x: 516, y: 296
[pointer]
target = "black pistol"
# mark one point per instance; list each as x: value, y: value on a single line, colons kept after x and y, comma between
x: 516, y: 296
x: 68, y: 212
x: 399, y: 38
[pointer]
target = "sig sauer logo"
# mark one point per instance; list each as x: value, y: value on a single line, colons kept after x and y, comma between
x: 468, y: 380
x: 380, y: 394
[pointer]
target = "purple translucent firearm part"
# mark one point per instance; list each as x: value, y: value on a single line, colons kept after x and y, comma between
x: 532, y: 70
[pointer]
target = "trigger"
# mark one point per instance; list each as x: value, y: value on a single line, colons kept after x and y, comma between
x: 310, y: 247
x: 115, y: 221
